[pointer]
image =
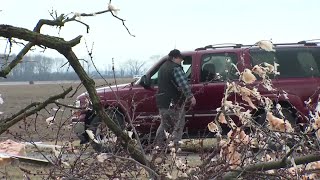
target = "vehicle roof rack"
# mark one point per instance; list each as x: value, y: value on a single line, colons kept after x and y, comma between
x: 298, y: 43
x: 224, y: 45
x: 234, y: 45
x: 311, y: 42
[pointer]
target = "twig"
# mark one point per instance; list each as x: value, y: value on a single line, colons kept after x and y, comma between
x: 88, y: 27
x: 114, y: 75
x: 261, y: 174
x: 271, y: 165
x: 67, y: 106
x: 122, y: 23
x: 77, y: 89
x: 284, y: 159
x: 134, y: 161
x: 17, y: 59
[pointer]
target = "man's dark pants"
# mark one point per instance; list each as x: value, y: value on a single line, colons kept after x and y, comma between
x: 172, y: 122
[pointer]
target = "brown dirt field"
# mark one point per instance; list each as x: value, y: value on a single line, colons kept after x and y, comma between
x: 34, y: 127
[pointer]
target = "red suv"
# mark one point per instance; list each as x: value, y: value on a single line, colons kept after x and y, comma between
x: 208, y: 69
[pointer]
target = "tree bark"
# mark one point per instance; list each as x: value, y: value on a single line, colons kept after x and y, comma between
x: 271, y: 165
x: 89, y: 84
x: 52, y: 42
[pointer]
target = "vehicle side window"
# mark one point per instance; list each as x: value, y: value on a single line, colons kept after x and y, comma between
x: 308, y: 64
x: 259, y: 57
x: 154, y: 78
x: 218, y: 67
x: 186, y: 65
x: 294, y: 62
x: 316, y: 56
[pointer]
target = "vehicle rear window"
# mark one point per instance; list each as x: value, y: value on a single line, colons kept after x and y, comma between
x: 293, y: 62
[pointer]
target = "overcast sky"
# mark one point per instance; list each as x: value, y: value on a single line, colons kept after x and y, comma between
x: 160, y: 26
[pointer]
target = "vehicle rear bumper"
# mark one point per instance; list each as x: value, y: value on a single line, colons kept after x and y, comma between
x: 79, y: 120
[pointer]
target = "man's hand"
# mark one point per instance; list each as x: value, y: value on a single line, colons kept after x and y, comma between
x: 193, y: 101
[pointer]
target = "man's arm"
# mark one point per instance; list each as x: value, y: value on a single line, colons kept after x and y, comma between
x: 182, y: 81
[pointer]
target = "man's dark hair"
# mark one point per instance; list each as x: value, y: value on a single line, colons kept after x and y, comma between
x: 175, y: 54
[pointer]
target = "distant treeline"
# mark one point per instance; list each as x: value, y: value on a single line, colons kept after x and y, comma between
x: 43, y: 68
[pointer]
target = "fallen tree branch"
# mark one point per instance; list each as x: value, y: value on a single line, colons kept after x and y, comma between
x: 59, y: 22
x: 28, y: 111
x: 16, y: 61
x: 89, y: 84
x: 11, y: 158
x: 42, y: 22
x: 24, y: 51
x: 264, y: 166
x: 65, y: 48
x: 52, y: 42
x: 290, y: 152
x: 67, y: 106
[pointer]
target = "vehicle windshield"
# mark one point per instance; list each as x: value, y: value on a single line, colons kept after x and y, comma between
x: 186, y: 65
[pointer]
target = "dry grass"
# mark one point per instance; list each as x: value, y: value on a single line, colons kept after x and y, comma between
x: 19, y: 96
x: 17, y: 172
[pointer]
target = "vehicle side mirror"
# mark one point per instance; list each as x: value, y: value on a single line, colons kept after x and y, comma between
x: 145, y: 82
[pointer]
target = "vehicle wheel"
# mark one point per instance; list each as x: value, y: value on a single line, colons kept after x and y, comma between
x: 106, y: 138
x: 289, y: 116
x: 260, y: 117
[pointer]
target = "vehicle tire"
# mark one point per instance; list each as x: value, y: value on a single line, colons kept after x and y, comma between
x: 289, y: 116
x: 288, y: 113
x: 103, y: 134
x: 260, y: 116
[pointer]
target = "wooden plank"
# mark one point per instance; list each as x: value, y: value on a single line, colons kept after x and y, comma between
x: 26, y: 159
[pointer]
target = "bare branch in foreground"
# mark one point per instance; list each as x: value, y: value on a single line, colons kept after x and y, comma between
x: 59, y: 22
x: 89, y: 84
x: 271, y: 165
x: 134, y: 161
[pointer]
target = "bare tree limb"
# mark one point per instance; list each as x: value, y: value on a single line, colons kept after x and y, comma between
x: 290, y: 152
x: 52, y: 42
x: 65, y: 48
x: 42, y: 22
x: 67, y: 106
x: 264, y: 166
x: 122, y: 23
x: 17, y: 60
x: 58, y: 21
x: 94, y: 14
x: 89, y: 84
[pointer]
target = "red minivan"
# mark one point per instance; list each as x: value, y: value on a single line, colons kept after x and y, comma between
x: 208, y: 70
